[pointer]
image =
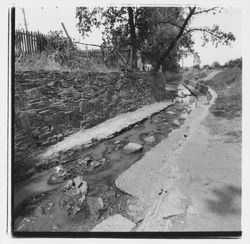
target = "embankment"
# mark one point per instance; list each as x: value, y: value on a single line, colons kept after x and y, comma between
x: 52, y: 105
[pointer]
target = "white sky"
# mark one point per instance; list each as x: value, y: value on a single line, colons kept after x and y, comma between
x: 45, y: 19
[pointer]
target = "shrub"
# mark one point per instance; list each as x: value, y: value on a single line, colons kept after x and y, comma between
x: 234, y: 63
x: 216, y: 65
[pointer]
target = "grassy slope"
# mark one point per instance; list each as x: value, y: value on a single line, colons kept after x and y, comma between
x: 228, y: 85
x: 44, y: 61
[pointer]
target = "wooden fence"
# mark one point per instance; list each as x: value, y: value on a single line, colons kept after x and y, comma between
x: 29, y: 42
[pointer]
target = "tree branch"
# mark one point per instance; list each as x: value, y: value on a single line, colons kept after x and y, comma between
x: 205, y: 10
x: 174, y: 41
x: 202, y: 30
x: 169, y: 22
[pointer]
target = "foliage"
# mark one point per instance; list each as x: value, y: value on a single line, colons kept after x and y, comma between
x: 153, y: 32
x: 216, y: 65
x: 234, y: 63
x: 60, y: 54
x: 228, y: 85
x: 206, y: 66
x: 45, y: 61
x: 61, y: 49
x: 197, y: 66
x: 162, y: 35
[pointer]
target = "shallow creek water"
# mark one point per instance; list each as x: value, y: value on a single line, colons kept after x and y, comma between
x: 38, y: 204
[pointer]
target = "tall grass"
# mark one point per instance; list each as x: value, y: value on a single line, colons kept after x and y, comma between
x: 45, y: 61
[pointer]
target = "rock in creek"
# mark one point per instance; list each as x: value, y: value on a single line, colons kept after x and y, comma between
x: 40, y: 211
x: 95, y: 204
x: 76, y: 186
x: 95, y: 164
x: 132, y: 148
x: 78, y: 181
x: 150, y: 139
x: 183, y: 116
x: 176, y: 122
x: 69, y: 184
x: 57, y: 178
x: 171, y: 112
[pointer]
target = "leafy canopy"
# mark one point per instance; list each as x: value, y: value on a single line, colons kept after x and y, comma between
x: 163, y: 35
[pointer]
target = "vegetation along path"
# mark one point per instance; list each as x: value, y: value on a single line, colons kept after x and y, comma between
x: 197, y: 186
x: 150, y: 177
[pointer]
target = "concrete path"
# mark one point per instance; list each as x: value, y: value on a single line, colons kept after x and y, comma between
x: 156, y: 170
x: 205, y: 191
x: 190, y: 183
x: 211, y: 75
x: 106, y: 129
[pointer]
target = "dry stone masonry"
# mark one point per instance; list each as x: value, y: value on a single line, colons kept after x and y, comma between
x: 51, y: 105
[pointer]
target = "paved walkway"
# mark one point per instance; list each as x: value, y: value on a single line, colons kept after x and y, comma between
x: 106, y: 129
x: 190, y: 183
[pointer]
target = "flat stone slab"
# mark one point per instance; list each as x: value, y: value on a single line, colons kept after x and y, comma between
x: 106, y: 129
x: 115, y: 223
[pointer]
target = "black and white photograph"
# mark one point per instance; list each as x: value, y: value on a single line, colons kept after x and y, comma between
x: 125, y: 120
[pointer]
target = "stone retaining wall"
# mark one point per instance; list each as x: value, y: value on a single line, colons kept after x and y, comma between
x: 51, y: 105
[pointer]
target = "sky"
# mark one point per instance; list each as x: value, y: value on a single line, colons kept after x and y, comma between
x: 47, y: 19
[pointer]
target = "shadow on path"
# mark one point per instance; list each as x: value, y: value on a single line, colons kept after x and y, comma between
x: 228, y: 201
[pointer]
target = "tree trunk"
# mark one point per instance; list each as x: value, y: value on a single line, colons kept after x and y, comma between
x: 132, y: 38
x: 172, y: 44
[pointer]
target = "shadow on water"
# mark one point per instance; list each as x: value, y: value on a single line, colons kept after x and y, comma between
x: 228, y: 201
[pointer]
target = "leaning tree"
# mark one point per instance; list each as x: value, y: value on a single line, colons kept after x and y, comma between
x: 164, y: 34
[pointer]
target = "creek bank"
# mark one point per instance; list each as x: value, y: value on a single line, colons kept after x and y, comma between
x: 99, y: 164
x: 100, y: 180
x: 50, y: 106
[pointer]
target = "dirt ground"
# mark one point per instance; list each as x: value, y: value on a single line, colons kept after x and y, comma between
x: 205, y: 171
x: 211, y: 177
x: 203, y: 190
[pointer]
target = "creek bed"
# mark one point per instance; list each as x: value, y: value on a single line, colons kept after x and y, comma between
x: 40, y: 202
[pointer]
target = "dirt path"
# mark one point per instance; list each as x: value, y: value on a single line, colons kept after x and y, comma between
x: 211, y: 75
x: 210, y: 176
x: 191, y: 183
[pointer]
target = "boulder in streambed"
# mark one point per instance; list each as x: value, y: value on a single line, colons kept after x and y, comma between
x: 78, y: 181
x: 176, y: 122
x: 132, y: 147
x: 150, y: 139
x: 183, y: 116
